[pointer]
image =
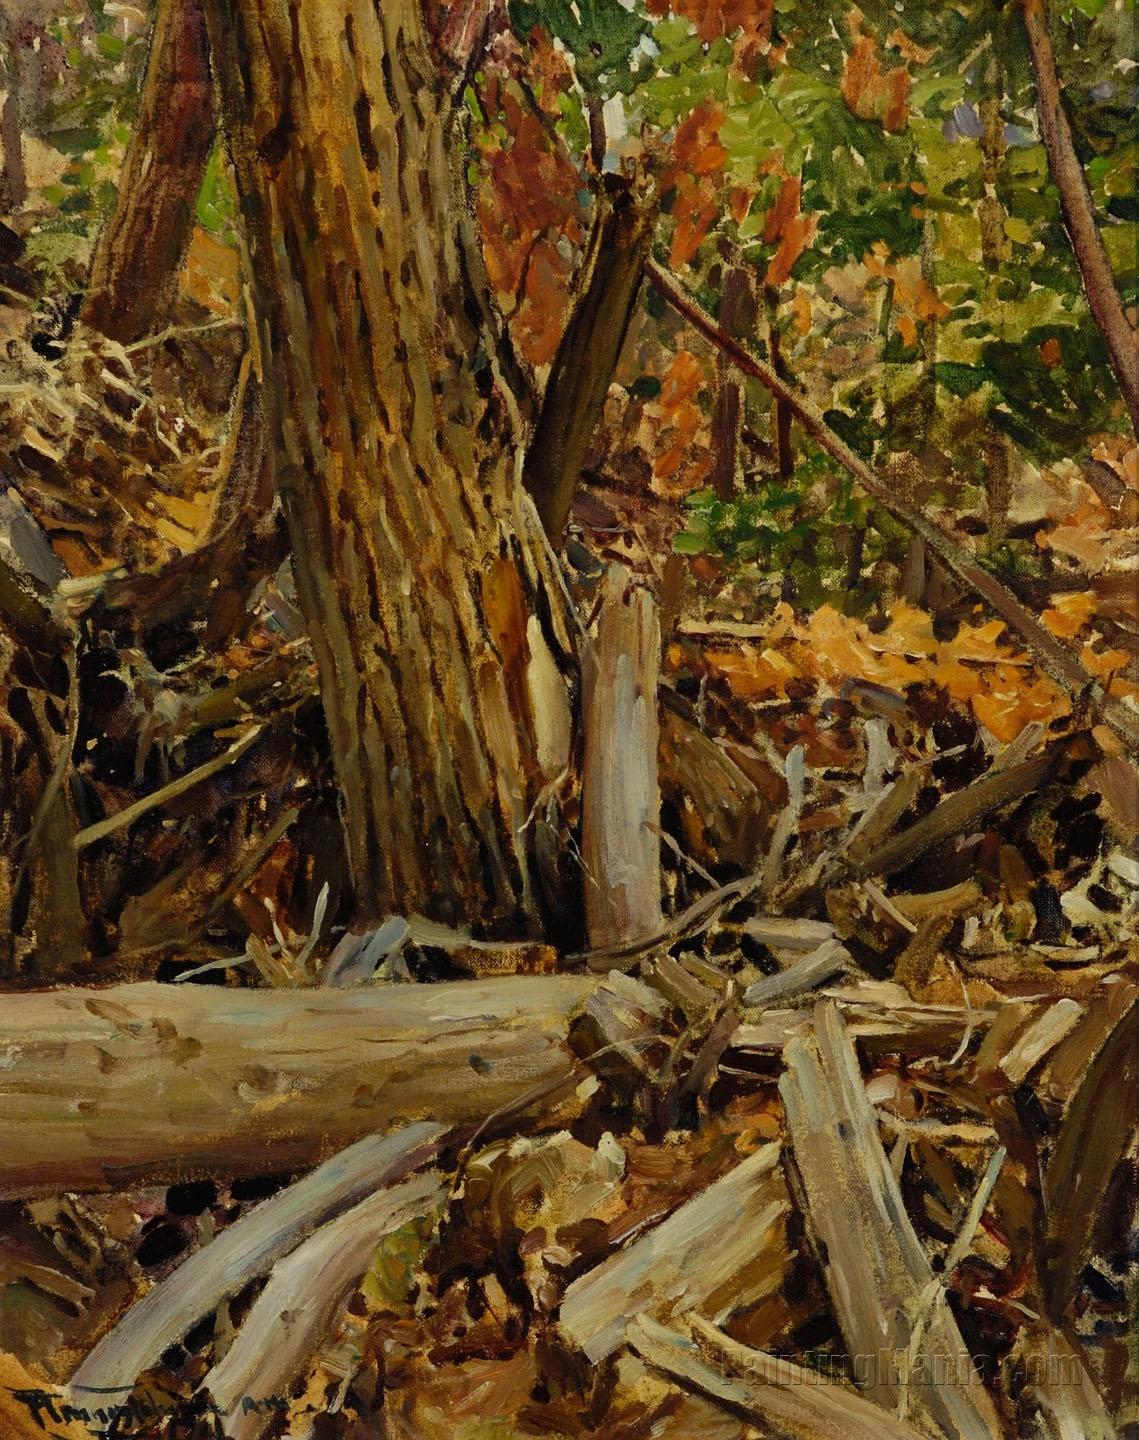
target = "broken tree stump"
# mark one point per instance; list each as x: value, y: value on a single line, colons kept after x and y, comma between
x: 620, y: 792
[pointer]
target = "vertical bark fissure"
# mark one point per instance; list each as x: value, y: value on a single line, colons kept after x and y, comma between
x: 398, y: 476
x: 134, y: 271
x: 1078, y: 210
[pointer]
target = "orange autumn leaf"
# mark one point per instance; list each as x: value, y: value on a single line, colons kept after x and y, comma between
x: 749, y: 22
x: 872, y: 92
x: 784, y: 210
x: 1070, y: 614
x: 797, y: 237
x: 696, y: 149
x: 694, y: 210
x: 1050, y: 352
x: 739, y: 202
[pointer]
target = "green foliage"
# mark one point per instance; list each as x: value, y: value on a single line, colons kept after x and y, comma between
x: 602, y: 36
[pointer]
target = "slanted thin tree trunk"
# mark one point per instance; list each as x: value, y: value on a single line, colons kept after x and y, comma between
x: 1079, y: 211
x: 134, y: 272
x: 420, y: 564
x: 605, y: 292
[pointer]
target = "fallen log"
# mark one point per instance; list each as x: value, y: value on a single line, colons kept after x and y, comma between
x: 100, y: 1089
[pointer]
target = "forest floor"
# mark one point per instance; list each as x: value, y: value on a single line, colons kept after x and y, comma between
x: 889, y: 827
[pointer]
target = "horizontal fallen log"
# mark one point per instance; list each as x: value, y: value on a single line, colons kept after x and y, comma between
x: 100, y: 1089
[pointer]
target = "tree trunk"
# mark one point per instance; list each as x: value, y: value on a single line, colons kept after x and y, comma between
x: 782, y: 412
x: 728, y: 417
x: 420, y: 564
x: 1078, y: 211
x: 134, y: 272
x: 605, y: 293
x: 20, y: 41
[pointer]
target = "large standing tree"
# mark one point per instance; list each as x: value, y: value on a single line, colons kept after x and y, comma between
x: 421, y: 566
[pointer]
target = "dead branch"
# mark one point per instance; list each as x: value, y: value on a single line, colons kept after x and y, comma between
x: 695, y: 1258
x: 249, y: 1248
x: 765, y: 1390
x: 304, y: 1298
x: 1078, y: 209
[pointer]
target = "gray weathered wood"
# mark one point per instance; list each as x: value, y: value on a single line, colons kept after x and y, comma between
x: 620, y: 793
x: 246, y: 1250
x: 689, y: 1260
x: 879, y: 1278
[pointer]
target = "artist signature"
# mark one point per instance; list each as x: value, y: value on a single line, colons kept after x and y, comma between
x: 104, y: 1416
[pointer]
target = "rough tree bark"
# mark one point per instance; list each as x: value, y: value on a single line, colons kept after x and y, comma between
x: 420, y: 564
x: 605, y: 292
x: 1079, y: 211
x: 135, y: 267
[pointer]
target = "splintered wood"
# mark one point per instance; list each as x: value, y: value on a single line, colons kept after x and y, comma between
x: 902, y: 1338
x: 620, y: 795
x: 724, y: 1248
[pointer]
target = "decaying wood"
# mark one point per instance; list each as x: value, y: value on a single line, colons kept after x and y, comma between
x: 304, y: 1297
x: 248, y: 1249
x: 1059, y: 1400
x: 811, y: 970
x: 879, y: 1277
x: 957, y: 813
x: 881, y: 1023
x: 1054, y: 657
x: 138, y: 1082
x: 769, y: 1392
x: 718, y: 808
x: 721, y: 1249
x: 137, y: 258
x: 1097, y: 1131
x: 620, y: 826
